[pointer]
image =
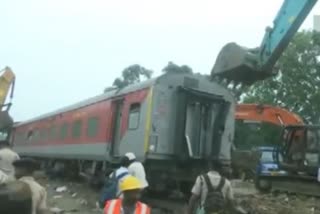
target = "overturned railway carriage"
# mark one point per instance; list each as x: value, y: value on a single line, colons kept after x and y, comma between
x: 174, y: 124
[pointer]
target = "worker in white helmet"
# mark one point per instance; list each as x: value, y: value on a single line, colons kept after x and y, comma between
x: 136, y: 169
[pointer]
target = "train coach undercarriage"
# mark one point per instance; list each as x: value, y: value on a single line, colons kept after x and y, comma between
x: 165, y: 177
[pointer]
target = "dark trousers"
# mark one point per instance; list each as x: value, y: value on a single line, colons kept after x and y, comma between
x: 144, y: 195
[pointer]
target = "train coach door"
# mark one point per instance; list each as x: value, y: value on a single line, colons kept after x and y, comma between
x: 117, y: 106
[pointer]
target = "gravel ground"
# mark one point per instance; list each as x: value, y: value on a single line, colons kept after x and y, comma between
x: 273, y: 203
x: 72, y: 197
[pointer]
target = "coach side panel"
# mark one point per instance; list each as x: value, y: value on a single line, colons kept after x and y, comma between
x: 78, y: 134
x: 136, y: 113
x: 87, y: 133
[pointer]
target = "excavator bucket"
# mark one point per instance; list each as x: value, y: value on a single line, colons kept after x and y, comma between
x: 238, y: 64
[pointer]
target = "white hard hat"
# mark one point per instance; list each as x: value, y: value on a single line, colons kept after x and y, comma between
x: 130, y: 156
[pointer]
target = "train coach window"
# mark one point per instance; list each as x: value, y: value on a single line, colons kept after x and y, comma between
x: 17, y: 136
x: 76, y: 129
x: 92, y: 126
x: 36, y: 135
x: 53, y: 133
x: 29, y: 136
x: 3, y: 135
x: 63, y: 131
x: 134, y: 116
x: 44, y: 134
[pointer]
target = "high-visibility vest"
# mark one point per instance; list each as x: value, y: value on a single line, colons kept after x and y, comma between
x: 115, y: 207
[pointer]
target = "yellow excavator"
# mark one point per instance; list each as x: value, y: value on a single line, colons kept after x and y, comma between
x: 7, y: 82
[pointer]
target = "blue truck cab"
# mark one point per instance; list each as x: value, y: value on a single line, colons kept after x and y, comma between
x: 267, y: 167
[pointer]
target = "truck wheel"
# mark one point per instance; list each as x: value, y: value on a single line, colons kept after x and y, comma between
x: 263, y: 185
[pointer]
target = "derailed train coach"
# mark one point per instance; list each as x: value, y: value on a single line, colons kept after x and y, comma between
x: 174, y: 124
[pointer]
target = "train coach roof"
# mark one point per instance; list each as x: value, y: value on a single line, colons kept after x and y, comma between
x: 96, y: 99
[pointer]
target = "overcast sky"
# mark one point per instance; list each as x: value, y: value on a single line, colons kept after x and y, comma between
x: 63, y: 51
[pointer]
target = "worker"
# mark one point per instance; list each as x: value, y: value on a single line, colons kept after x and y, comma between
x: 111, y: 188
x: 121, y: 173
x: 214, y: 191
x: 4, y: 178
x: 15, y: 198
x: 136, y: 168
x: 24, y: 169
x: 131, y: 188
x: 7, y: 156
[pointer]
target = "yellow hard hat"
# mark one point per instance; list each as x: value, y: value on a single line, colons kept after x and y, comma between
x: 130, y: 183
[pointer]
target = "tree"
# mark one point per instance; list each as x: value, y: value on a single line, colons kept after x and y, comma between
x: 174, y: 68
x: 296, y: 87
x: 130, y: 75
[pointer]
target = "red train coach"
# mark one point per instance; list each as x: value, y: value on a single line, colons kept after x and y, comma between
x: 173, y: 123
x: 81, y: 131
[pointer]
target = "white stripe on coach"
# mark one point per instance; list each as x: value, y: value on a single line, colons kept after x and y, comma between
x: 111, y: 207
x: 143, y: 209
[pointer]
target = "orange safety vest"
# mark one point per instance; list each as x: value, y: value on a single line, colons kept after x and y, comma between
x: 115, y: 207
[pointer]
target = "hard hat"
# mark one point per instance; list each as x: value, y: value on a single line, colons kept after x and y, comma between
x: 130, y: 156
x: 130, y: 183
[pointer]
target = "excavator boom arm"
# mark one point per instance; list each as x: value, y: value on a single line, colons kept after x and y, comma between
x: 246, y: 66
x: 7, y: 79
x: 287, y: 22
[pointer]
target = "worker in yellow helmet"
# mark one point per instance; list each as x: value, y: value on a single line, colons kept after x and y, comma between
x: 129, y: 204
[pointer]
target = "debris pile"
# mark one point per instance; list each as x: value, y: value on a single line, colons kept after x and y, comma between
x: 79, y: 198
x: 71, y: 198
x: 280, y: 204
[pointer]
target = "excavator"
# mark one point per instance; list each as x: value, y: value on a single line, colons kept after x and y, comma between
x: 267, y: 113
x: 244, y: 160
x: 7, y: 82
x: 238, y: 65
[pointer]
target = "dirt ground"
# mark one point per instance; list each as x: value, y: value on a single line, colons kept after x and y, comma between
x: 71, y: 197
x: 280, y: 203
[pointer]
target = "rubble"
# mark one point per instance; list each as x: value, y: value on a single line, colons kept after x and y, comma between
x: 57, y: 196
x: 81, y: 199
x: 61, y: 189
x: 71, y: 198
x: 56, y: 210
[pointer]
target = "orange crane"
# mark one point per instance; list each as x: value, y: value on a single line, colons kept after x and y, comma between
x: 257, y: 113
x: 267, y: 113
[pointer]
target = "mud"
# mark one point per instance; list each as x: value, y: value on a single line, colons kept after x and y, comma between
x: 274, y: 203
x: 79, y: 198
x: 71, y: 197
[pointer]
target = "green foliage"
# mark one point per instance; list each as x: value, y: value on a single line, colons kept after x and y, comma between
x: 174, y: 68
x: 130, y: 75
x: 296, y: 87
